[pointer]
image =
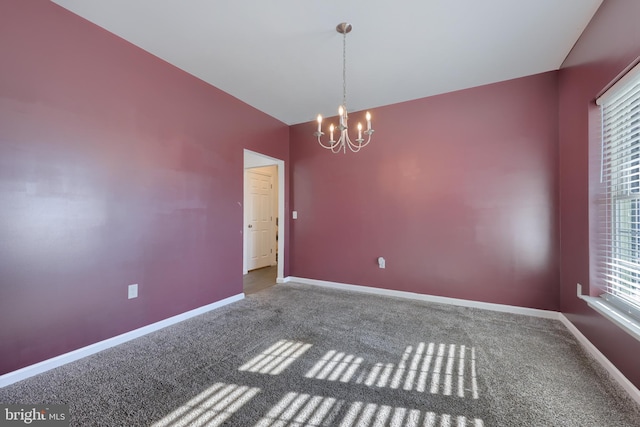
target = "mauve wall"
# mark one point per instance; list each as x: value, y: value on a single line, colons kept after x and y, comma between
x: 609, y: 44
x: 458, y: 192
x: 115, y: 168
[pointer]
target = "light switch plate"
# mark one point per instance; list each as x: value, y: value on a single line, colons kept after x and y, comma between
x: 133, y: 291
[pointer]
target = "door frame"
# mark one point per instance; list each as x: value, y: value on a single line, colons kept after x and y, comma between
x: 254, y: 159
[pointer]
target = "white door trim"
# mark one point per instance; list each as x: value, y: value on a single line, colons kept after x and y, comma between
x: 254, y: 159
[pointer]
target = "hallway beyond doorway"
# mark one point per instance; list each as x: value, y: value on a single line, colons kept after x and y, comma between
x: 259, y: 279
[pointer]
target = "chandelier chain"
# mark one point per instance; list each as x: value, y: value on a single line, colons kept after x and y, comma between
x: 344, y: 70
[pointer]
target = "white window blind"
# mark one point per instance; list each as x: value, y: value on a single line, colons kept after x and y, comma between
x: 618, y: 252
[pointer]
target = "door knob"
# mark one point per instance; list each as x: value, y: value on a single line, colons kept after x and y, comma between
x: 250, y: 226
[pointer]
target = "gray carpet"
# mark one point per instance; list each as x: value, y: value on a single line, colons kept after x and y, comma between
x: 299, y: 355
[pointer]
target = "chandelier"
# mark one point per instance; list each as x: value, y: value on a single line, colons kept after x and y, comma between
x: 344, y: 141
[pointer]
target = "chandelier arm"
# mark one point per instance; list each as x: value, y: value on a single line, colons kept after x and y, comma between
x: 337, y: 148
x: 360, y: 142
x: 328, y: 147
x: 355, y: 147
x: 338, y: 145
x: 319, y: 135
x: 368, y: 139
x: 351, y: 144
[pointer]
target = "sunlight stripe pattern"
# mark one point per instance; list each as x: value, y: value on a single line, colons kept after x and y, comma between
x: 446, y: 369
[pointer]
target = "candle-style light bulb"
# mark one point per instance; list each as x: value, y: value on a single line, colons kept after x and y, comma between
x: 341, y: 114
x: 368, y: 121
x: 319, y: 122
x: 331, y: 131
x: 359, y: 130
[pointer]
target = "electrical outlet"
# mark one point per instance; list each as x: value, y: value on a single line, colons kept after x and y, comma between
x: 133, y: 291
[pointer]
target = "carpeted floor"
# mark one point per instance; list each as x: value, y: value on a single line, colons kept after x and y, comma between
x: 298, y: 355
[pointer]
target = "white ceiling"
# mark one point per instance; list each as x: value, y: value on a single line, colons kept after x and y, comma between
x: 284, y: 57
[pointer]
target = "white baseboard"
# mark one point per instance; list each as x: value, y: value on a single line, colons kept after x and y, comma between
x: 602, y: 359
x: 29, y: 371
x: 285, y: 280
x: 547, y: 314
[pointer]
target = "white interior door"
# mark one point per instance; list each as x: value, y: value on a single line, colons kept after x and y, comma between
x: 259, y: 221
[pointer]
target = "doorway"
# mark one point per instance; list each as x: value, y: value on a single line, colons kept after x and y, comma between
x: 252, y: 161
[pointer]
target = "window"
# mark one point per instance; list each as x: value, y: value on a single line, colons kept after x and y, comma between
x: 619, y: 217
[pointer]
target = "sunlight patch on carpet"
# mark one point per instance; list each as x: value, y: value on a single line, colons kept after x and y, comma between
x: 300, y: 409
x: 212, y: 407
x: 360, y: 414
x: 276, y: 358
x: 446, y: 369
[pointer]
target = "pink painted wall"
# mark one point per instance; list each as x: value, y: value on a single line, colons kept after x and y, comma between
x: 115, y: 168
x: 609, y: 44
x: 458, y: 192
